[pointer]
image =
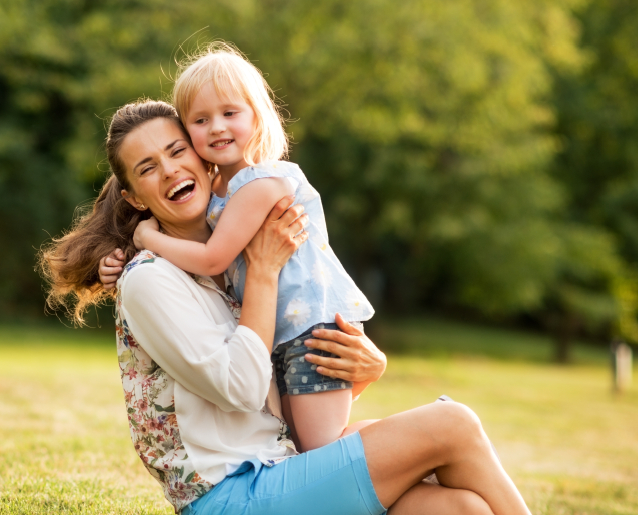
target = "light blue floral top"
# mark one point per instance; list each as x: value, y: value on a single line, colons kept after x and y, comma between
x: 313, y: 286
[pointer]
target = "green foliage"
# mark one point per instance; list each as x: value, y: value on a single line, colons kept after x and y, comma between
x: 598, y: 127
x: 431, y: 130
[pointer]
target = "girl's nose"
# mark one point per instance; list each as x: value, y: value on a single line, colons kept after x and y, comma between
x: 217, y: 127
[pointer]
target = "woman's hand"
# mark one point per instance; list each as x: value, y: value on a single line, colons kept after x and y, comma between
x: 279, y: 237
x: 360, y: 361
x: 142, y: 229
x: 111, y: 268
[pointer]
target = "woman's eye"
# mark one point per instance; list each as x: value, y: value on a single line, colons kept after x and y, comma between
x: 178, y: 151
x: 148, y: 169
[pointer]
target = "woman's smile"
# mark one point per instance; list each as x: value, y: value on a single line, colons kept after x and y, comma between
x: 181, y: 190
x: 166, y: 174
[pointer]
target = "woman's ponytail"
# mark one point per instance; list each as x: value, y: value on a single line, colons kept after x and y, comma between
x: 71, y: 263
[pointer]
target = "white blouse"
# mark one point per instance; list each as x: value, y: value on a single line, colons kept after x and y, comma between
x: 195, y: 382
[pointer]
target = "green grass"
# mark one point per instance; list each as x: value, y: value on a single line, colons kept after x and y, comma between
x: 571, y: 446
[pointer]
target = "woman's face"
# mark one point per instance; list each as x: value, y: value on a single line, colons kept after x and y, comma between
x: 165, y: 174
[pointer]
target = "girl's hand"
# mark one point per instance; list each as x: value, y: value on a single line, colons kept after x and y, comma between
x: 360, y: 361
x: 111, y: 268
x: 143, y: 228
x: 279, y: 237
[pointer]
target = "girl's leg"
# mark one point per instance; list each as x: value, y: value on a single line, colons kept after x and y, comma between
x: 320, y: 418
x: 403, y: 449
x: 285, y: 408
x: 426, y: 499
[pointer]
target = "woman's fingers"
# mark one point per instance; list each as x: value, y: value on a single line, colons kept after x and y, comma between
x: 333, y: 346
x: 347, y: 327
x: 332, y: 367
x: 323, y: 338
x: 280, y: 208
x: 299, y: 224
x: 289, y: 217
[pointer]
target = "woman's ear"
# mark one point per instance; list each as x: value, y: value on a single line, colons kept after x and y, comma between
x: 137, y: 204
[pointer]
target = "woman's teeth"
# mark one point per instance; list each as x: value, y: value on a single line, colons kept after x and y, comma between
x: 179, y: 187
x: 221, y: 143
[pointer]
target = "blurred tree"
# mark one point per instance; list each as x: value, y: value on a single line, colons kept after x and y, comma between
x: 428, y: 127
x: 598, y: 129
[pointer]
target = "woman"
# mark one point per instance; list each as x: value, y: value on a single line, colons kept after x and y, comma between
x: 198, y: 384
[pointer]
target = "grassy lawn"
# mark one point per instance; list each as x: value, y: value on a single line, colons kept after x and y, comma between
x: 571, y: 447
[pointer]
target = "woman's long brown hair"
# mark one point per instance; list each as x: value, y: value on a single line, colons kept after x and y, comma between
x: 70, y: 263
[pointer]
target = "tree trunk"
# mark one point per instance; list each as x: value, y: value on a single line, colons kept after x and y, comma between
x: 564, y: 337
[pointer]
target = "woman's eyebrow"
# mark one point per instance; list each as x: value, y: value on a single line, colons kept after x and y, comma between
x: 167, y: 147
x: 170, y: 145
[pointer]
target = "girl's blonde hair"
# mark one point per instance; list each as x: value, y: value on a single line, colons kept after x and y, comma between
x: 233, y: 76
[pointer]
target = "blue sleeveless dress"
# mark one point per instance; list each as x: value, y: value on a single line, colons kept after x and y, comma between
x: 313, y: 286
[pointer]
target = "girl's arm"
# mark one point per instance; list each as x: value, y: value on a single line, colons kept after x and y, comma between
x: 168, y: 322
x: 241, y: 219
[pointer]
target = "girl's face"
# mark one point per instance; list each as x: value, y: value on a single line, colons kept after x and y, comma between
x: 165, y: 174
x: 220, y: 128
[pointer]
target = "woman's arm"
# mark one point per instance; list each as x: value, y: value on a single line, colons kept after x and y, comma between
x: 239, y: 222
x: 163, y: 313
x: 360, y: 361
x: 266, y: 254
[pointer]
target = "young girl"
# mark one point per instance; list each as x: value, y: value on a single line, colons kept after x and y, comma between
x: 227, y: 109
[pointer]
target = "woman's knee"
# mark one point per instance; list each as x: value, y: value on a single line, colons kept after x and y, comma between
x: 457, y: 423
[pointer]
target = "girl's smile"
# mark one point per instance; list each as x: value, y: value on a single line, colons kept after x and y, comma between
x: 220, y: 129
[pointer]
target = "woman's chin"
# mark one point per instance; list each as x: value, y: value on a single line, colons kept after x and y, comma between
x: 186, y: 209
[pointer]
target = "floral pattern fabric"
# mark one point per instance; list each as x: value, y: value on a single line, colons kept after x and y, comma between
x: 148, y: 394
x: 150, y: 406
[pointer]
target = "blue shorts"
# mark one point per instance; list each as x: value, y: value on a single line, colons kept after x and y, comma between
x: 331, y: 480
x: 295, y: 375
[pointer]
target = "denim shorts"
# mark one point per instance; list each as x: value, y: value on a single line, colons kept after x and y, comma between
x: 331, y: 480
x: 295, y: 375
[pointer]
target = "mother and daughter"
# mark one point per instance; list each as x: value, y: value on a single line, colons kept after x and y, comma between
x: 239, y: 333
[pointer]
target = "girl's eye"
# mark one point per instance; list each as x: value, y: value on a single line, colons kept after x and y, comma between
x: 199, y: 121
x: 229, y: 113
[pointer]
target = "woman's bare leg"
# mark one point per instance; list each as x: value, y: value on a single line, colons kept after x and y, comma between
x: 403, y: 449
x: 427, y: 499
x: 358, y: 426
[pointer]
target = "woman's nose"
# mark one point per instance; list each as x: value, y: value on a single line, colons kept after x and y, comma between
x: 169, y: 168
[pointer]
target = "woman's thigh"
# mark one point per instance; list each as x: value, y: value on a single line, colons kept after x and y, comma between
x: 403, y: 449
x: 332, y: 480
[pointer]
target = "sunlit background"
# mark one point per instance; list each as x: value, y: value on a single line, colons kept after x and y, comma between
x: 478, y: 165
